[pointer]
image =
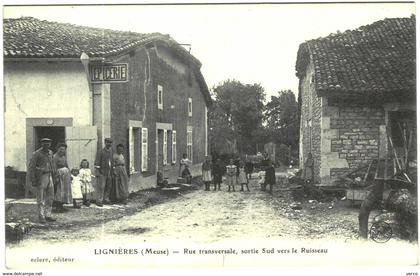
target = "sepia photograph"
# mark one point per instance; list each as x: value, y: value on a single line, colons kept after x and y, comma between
x: 224, y: 135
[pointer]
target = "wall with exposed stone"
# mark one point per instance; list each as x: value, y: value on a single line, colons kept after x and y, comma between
x: 359, y: 132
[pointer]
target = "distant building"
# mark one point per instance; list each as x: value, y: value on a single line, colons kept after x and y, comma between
x: 79, y: 85
x: 352, y: 87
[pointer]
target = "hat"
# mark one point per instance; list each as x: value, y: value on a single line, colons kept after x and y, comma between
x: 108, y: 140
x: 44, y: 140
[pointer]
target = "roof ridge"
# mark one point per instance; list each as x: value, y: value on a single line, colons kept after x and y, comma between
x: 371, y: 59
x: 361, y: 28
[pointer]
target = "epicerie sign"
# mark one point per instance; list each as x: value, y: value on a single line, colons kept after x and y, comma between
x: 100, y: 73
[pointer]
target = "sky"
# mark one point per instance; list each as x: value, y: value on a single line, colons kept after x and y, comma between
x: 252, y: 43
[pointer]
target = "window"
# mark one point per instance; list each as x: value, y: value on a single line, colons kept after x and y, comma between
x: 134, y: 149
x: 189, y: 144
x: 174, y: 157
x: 144, y: 153
x: 165, y: 147
x: 190, y: 107
x: 160, y: 97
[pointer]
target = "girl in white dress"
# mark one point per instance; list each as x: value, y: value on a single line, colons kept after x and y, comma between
x: 76, y: 188
x: 242, y: 177
x: 85, y: 175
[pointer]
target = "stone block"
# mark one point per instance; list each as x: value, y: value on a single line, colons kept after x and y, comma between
x: 362, y: 142
x: 336, y: 142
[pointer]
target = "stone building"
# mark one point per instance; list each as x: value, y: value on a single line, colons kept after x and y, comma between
x: 79, y: 85
x: 354, y: 88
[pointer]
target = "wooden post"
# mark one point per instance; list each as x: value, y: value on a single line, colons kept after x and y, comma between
x: 371, y: 200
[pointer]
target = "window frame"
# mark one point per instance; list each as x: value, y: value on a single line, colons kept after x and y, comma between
x: 134, y: 163
x: 160, y: 96
x: 190, y: 107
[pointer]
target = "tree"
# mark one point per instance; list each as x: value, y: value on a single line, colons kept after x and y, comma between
x: 236, y: 117
x: 281, y: 117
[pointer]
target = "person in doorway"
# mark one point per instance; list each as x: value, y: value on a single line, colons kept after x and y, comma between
x: 308, y: 170
x: 76, y: 188
x: 85, y: 175
x: 41, y: 173
x: 120, y: 176
x: 103, y: 166
x: 217, y: 172
x: 206, y: 173
x: 231, y: 178
x: 270, y: 176
x: 242, y: 178
x: 184, y: 162
x: 63, y: 194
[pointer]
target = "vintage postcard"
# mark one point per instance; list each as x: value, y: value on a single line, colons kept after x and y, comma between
x: 246, y: 135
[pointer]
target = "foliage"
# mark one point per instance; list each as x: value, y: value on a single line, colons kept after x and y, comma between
x: 281, y: 117
x: 236, y: 117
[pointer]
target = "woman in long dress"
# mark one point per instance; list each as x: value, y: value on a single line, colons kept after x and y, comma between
x: 63, y: 184
x: 120, y: 176
x: 206, y: 173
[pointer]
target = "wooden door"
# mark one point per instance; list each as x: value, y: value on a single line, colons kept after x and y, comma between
x: 81, y: 144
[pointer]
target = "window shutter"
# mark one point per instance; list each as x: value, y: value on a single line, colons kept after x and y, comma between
x: 144, y: 151
x: 174, y: 157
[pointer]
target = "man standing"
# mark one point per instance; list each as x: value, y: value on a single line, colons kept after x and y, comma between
x: 41, y: 173
x: 103, y: 166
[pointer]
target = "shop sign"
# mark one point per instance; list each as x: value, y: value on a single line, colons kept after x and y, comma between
x: 109, y: 73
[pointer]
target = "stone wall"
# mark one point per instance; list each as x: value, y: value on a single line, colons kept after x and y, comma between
x: 310, y: 122
x: 359, y: 136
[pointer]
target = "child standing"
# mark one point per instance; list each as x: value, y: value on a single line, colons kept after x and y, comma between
x: 231, y: 179
x: 270, y: 176
x: 249, y: 167
x: 76, y: 188
x: 85, y: 175
x: 184, y: 162
x: 217, y: 171
x: 187, y: 174
x: 242, y: 177
x: 261, y: 181
x: 206, y: 173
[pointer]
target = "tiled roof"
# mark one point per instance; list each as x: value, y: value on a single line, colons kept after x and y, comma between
x: 28, y: 37
x: 31, y: 37
x: 372, y: 60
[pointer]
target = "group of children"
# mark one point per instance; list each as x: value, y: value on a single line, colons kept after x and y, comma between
x: 236, y: 174
x: 81, y: 185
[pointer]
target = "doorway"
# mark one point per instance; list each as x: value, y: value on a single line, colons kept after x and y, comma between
x: 404, y: 132
x: 55, y: 133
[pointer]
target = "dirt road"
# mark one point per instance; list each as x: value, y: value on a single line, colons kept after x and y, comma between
x: 210, y: 216
x: 245, y: 223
